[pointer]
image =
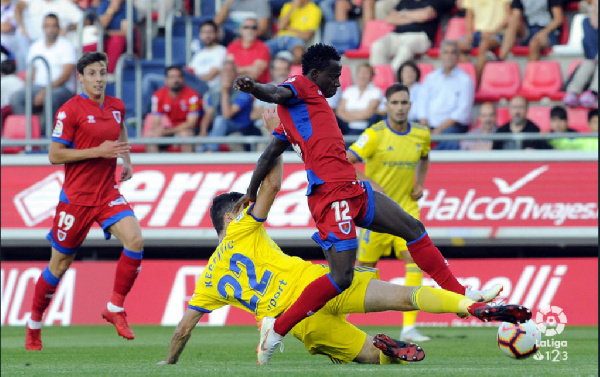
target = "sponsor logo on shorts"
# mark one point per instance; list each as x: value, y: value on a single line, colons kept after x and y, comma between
x: 120, y: 200
x: 62, y: 235
x: 345, y: 227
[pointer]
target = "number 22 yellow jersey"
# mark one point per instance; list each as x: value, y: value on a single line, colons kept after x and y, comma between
x: 391, y: 159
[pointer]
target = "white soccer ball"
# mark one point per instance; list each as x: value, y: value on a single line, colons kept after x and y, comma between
x: 519, y: 340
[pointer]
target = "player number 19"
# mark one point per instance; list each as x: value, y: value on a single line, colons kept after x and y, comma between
x: 341, y: 210
x: 66, y: 220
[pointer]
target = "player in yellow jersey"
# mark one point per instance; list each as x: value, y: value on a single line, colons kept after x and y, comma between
x: 396, y: 153
x: 249, y: 271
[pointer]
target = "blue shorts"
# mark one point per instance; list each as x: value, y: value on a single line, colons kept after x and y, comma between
x: 477, y: 39
x: 284, y: 43
x: 534, y: 29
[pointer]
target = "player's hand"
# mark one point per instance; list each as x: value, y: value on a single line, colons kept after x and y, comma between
x: 271, y: 119
x: 113, y: 149
x: 243, y: 203
x: 417, y: 192
x: 244, y: 83
x: 127, y: 173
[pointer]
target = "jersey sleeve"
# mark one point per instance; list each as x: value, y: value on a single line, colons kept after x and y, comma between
x: 365, y: 146
x: 298, y: 87
x: 426, y: 147
x: 246, y: 222
x: 65, y: 125
x: 280, y: 133
x: 205, y: 300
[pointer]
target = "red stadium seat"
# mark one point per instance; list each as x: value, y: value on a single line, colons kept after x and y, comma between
x: 373, y: 30
x: 14, y: 128
x: 542, y: 79
x: 346, y: 77
x: 577, y: 118
x: 540, y: 116
x: 502, y: 116
x: 469, y: 68
x: 296, y: 70
x: 499, y: 80
x: 384, y: 76
x: 425, y: 69
x: 455, y: 29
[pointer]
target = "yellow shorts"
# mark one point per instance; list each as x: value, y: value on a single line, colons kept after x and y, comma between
x: 327, y: 332
x: 372, y: 246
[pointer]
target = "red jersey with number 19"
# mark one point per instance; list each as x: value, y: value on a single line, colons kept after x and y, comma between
x: 309, y: 124
x: 82, y: 123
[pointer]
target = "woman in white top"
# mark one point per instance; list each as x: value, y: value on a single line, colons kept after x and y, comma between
x: 359, y: 102
x: 408, y: 75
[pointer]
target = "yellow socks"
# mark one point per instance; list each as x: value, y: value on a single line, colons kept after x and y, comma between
x: 414, y: 278
x: 433, y: 300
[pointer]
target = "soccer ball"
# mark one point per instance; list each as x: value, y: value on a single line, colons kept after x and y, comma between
x: 519, y: 340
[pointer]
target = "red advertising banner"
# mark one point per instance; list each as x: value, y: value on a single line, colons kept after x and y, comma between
x: 479, y: 199
x: 163, y: 288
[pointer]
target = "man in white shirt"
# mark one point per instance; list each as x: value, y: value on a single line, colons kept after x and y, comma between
x: 447, y: 98
x: 208, y: 61
x: 60, y: 54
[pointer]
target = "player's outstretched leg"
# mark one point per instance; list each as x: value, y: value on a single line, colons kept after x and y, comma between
x: 269, y: 341
x: 44, y: 291
x: 409, y: 352
x: 503, y: 313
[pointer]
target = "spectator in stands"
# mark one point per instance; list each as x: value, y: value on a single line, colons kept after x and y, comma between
x: 250, y: 54
x: 9, y: 24
x: 30, y: 27
x: 408, y: 75
x: 446, y: 98
x: 113, y: 16
x: 585, y: 78
x: 229, y: 111
x: 60, y: 54
x: 175, y: 110
x: 234, y: 12
x: 541, y: 29
x: 485, y: 23
x: 593, y: 120
x: 342, y: 10
x: 360, y: 101
x: 518, y: 123
x: 487, y: 120
x: 416, y: 22
x: 207, y: 62
x: 590, y: 143
x: 9, y: 84
x: 559, y: 124
x: 281, y: 66
x: 298, y: 22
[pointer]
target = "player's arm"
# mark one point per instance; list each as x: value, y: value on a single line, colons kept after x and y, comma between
x: 60, y: 153
x: 421, y: 174
x: 360, y: 175
x: 264, y: 92
x: 182, y: 334
x: 127, y: 168
x: 272, y: 182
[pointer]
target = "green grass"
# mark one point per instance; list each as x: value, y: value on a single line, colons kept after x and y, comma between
x: 229, y: 351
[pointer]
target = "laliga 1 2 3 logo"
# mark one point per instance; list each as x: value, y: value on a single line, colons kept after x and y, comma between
x: 551, y: 320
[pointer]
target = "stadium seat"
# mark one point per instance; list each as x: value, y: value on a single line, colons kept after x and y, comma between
x: 499, y: 80
x: 455, y: 29
x: 540, y: 116
x: 469, y: 68
x: 564, y: 38
x: 573, y: 47
x: 577, y: 118
x: 296, y: 70
x: 342, y: 35
x: 502, y: 116
x: 373, y: 30
x: 542, y: 79
x: 179, y: 26
x: 346, y: 77
x: 14, y: 128
x: 384, y: 76
x: 179, y: 46
x: 425, y: 69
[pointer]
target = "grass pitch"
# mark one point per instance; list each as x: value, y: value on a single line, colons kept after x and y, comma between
x: 230, y: 351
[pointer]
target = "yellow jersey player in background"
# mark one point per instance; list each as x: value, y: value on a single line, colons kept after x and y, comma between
x: 249, y: 271
x: 396, y: 153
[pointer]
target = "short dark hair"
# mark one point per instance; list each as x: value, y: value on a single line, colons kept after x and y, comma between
x: 172, y: 67
x: 394, y: 88
x: 8, y: 67
x: 210, y: 23
x: 89, y: 58
x: 220, y: 206
x: 52, y: 15
x: 558, y: 112
x: 413, y: 65
x: 592, y: 113
x: 318, y: 57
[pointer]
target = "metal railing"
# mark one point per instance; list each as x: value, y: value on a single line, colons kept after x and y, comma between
x: 130, y: 39
x: 169, y: 36
x: 100, y: 30
x: 138, y: 84
x: 149, y: 32
x: 29, y: 100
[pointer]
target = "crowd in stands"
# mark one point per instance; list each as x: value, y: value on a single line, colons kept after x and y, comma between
x: 265, y: 39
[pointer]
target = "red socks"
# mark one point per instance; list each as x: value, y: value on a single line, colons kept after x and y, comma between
x: 127, y: 270
x: 430, y: 260
x: 44, y: 291
x: 312, y: 298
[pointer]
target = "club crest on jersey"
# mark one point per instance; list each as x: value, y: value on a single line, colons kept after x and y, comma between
x: 291, y: 79
x: 117, y: 115
x: 62, y: 235
x: 91, y: 119
x: 345, y: 227
x: 120, y: 200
